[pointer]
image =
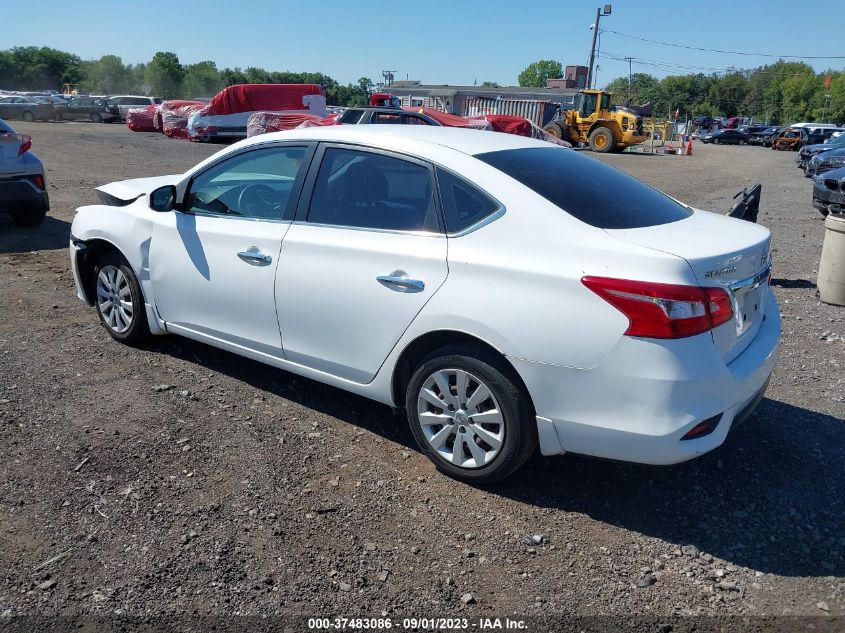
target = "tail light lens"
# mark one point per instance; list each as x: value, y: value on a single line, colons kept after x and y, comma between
x: 26, y: 144
x: 664, y: 310
x: 38, y: 179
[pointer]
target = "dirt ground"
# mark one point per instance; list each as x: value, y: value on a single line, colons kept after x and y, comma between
x: 241, y: 489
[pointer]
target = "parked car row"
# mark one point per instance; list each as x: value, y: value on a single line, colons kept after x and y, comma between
x: 35, y: 106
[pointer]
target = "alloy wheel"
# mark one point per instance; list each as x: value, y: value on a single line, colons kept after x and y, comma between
x: 114, y: 298
x: 460, y: 418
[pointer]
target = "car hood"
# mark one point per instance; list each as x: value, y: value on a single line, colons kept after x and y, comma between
x: 128, y: 190
x: 820, y: 147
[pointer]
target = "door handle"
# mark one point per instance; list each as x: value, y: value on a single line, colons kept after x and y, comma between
x: 398, y: 280
x: 253, y: 256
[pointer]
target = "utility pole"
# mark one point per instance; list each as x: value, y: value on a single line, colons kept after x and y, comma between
x: 630, y: 61
x: 599, y: 13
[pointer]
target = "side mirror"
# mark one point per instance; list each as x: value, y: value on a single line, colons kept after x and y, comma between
x: 163, y: 198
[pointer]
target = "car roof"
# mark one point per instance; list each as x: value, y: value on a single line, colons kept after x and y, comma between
x: 406, y: 138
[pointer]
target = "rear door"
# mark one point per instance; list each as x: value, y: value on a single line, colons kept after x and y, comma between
x: 363, y: 257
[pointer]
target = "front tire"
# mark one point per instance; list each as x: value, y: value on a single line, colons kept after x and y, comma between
x: 28, y: 116
x: 601, y: 140
x: 469, y: 414
x: 118, y: 299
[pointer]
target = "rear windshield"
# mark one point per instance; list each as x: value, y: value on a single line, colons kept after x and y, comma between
x: 586, y: 188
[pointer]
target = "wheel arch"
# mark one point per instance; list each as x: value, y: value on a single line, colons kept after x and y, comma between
x: 87, y: 259
x: 426, y: 343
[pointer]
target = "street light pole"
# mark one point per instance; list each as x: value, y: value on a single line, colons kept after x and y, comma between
x: 599, y: 13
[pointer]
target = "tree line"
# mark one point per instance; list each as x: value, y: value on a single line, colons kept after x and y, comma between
x: 41, y: 68
x: 782, y: 92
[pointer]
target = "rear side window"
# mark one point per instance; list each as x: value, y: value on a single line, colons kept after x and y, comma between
x: 586, y: 188
x: 368, y: 190
x: 463, y: 203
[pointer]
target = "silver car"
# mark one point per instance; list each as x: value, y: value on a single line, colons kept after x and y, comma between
x: 23, y: 191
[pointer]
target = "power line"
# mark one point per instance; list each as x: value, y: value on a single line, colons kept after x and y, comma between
x: 716, y: 50
x: 730, y: 70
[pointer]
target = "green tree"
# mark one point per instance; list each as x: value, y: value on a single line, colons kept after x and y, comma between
x: 201, y: 80
x: 536, y: 73
x: 107, y: 75
x: 164, y: 75
x: 493, y: 84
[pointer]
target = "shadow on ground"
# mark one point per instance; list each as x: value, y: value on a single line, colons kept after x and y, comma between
x: 772, y: 498
x: 49, y: 235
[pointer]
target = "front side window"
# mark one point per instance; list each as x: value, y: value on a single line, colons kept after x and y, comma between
x: 383, y: 117
x: 589, y: 104
x: 369, y: 190
x: 255, y: 184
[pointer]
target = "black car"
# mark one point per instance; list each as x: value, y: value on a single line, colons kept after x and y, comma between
x: 392, y: 116
x: 94, y: 109
x: 829, y: 192
x: 764, y: 136
x: 752, y: 129
x: 26, y: 108
x: 725, y: 136
x: 703, y: 121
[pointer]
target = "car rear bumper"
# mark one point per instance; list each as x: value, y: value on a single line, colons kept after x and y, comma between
x: 646, y: 395
x: 18, y: 194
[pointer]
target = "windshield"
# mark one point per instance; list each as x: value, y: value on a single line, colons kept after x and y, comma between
x: 586, y: 188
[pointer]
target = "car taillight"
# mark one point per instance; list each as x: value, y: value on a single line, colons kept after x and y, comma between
x: 663, y: 310
x: 26, y: 145
x: 38, y: 179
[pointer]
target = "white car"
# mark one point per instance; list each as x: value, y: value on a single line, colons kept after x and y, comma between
x: 506, y: 292
x: 125, y: 103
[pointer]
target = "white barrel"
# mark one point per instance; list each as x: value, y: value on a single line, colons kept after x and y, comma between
x: 831, y: 282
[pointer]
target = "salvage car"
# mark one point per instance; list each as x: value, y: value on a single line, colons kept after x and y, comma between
x: 456, y: 275
x: 725, y: 136
x: 829, y: 192
x: 825, y: 162
x: 808, y: 151
x: 764, y: 137
x: 94, y: 109
x: 391, y: 116
x: 26, y: 108
x: 23, y: 191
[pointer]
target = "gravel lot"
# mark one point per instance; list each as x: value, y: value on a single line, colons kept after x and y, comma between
x: 179, y: 479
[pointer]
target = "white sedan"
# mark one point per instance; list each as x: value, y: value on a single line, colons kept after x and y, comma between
x: 505, y: 292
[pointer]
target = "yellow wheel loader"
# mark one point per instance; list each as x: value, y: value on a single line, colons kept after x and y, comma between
x: 593, y: 120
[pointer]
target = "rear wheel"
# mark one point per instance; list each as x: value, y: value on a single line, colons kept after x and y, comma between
x: 95, y: 117
x: 118, y: 299
x: 28, y: 116
x: 716, y: 141
x: 469, y: 415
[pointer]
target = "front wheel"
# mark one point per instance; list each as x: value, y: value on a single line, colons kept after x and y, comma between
x: 118, y: 299
x: 28, y: 116
x: 601, y: 140
x: 469, y: 415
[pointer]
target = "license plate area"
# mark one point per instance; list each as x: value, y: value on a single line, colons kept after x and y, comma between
x: 748, y: 299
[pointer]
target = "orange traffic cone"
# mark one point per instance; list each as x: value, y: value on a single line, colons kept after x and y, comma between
x: 689, y: 146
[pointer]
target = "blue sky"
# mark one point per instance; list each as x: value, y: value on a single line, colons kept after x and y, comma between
x: 455, y: 42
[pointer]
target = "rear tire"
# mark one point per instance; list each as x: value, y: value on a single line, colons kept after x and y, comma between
x: 485, y: 413
x: 28, y: 116
x: 95, y: 117
x: 601, y: 140
x: 118, y: 299
x: 29, y: 217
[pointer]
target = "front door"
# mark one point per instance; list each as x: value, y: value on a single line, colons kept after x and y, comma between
x: 362, y: 259
x: 213, y: 263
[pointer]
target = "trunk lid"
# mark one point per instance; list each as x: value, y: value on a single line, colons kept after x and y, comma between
x: 722, y: 252
x: 10, y: 162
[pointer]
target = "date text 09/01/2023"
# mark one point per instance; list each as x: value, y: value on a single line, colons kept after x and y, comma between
x: 439, y: 624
